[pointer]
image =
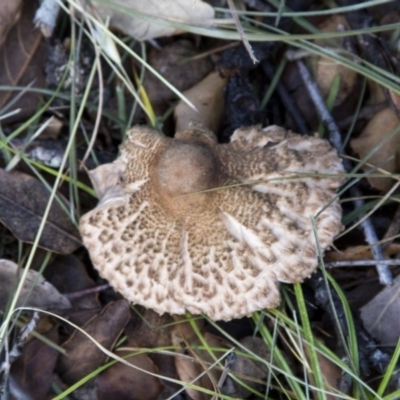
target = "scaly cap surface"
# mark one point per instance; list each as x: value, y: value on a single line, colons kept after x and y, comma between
x: 190, y: 224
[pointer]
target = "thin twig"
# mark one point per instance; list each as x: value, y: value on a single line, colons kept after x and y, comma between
x: 85, y: 292
x: 360, y: 263
x: 229, y: 361
x: 294, y: 55
x: 385, y: 275
x: 241, y: 33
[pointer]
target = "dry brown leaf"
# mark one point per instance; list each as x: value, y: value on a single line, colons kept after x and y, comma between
x: 376, y: 93
x: 9, y: 15
x: 253, y: 373
x: 208, y: 97
x: 123, y: 382
x: 122, y: 16
x: 34, y: 371
x: 330, y: 372
x: 395, y: 99
x: 326, y: 69
x: 23, y: 200
x: 36, y: 291
x: 386, y: 157
x: 82, y: 355
x: 151, y: 331
x: 190, y: 361
x: 381, y: 316
x: 22, y: 60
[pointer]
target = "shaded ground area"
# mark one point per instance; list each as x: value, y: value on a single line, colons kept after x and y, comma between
x: 72, y: 86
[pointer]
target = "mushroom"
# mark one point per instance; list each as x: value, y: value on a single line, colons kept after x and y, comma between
x: 188, y: 224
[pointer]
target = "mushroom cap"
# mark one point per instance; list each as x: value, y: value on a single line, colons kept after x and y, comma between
x: 187, y: 224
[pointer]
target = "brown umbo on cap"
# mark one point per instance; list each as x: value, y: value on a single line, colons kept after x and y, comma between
x: 187, y: 224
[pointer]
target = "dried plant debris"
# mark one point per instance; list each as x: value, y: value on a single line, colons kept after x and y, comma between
x: 33, y: 372
x: 191, y: 360
x: 22, y: 56
x: 82, y: 354
x: 252, y: 371
x: 9, y: 15
x: 23, y: 201
x: 57, y: 67
x: 208, y: 98
x: 120, y: 381
x: 190, y: 224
